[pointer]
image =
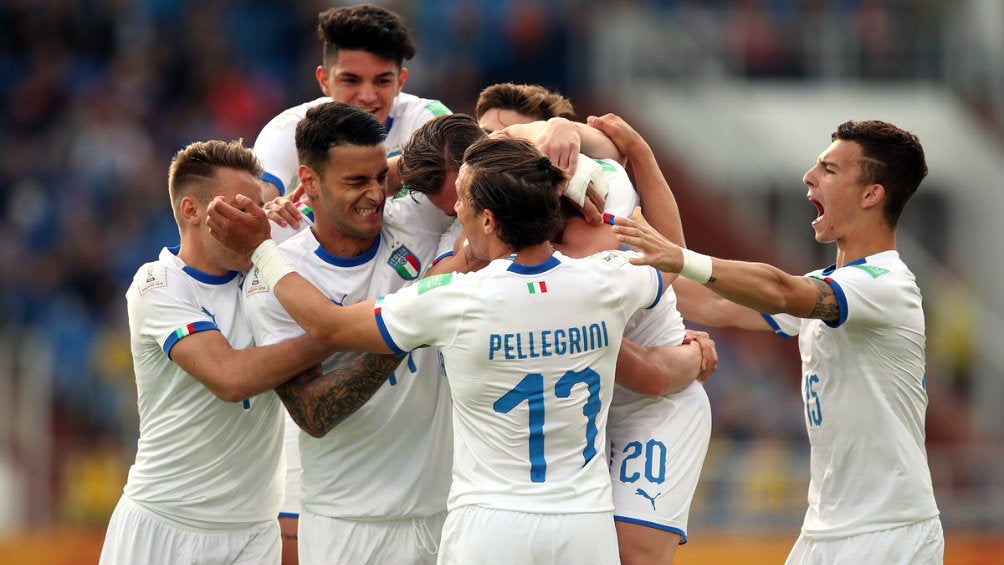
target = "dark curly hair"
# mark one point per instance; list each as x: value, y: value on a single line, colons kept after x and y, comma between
x: 365, y: 28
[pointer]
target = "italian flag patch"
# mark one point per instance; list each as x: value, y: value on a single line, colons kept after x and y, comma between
x: 537, y: 287
x: 183, y: 331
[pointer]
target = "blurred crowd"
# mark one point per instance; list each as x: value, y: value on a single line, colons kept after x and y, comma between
x: 96, y: 97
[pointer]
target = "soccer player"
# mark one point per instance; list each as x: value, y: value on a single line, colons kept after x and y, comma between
x: 374, y: 482
x: 659, y: 440
x: 529, y: 357
x: 364, y: 49
x: 207, y: 481
x: 860, y: 324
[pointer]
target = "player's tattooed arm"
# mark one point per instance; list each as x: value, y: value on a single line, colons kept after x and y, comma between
x: 319, y: 401
x: 826, y: 307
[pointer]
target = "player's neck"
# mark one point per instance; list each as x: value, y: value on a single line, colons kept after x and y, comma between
x: 193, y: 254
x: 534, y: 254
x: 341, y: 245
x: 854, y: 248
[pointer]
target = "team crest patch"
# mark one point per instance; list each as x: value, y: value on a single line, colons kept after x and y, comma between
x: 405, y: 263
x: 254, y: 283
x: 155, y: 278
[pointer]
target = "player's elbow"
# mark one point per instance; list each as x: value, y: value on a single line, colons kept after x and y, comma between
x: 316, y: 432
x: 314, y: 429
x: 230, y: 388
x: 673, y: 386
x: 656, y: 382
x: 231, y: 394
x: 654, y: 386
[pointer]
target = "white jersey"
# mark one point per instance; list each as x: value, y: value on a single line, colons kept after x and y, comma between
x: 865, y: 399
x: 658, y: 443
x: 200, y: 461
x: 518, y: 342
x: 622, y: 198
x: 390, y: 459
x: 276, y: 143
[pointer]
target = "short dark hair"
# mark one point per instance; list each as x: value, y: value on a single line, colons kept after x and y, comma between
x: 893, y: 157
x: 511, y: 178
x: 437, y: 149
x: 193, y: 169
x: 333, y: 124
x: 366, y: 28
x: 527, y: 99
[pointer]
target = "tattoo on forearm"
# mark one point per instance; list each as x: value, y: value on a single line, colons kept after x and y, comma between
x: 826, y: 307
x: 320, y: 401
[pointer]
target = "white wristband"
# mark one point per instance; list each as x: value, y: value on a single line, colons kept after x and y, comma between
x: 696, y: 267
x: 270, y: 262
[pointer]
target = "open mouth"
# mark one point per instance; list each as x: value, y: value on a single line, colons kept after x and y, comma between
x: 819, y: 210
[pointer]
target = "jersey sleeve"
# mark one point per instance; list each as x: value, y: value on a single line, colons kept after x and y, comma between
x: 639, y: 286
x: 421, y: 314
x: 276, y: 149
x: 166, y: 310
x: 661, y: 325
x: 784, y: 325
x: 270, y: 323
x: 622, y: 197
x: 866, y: 295
x: 415, y: 213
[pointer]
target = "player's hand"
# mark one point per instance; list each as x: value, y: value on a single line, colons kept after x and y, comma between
x: 655, y: 249
x: 628, y: 141
x: 240, y: 225
x: 709, y: 355
x: 283, y: 211
x: 587, y: 189
x: 561, y: 143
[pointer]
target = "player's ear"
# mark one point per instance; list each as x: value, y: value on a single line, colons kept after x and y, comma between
x: 402, y: 76
x: 490, y: 223
x: 309, y: 180
x: 872, y: 196
x: 189, y: 210
x: 321, y: 74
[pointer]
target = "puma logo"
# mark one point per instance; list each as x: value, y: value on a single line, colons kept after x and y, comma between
x: 650, y: 498
x: 210, y: 314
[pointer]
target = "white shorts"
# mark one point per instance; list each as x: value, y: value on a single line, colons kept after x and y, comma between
x: 294, y: 469
x: 332, y: 541
x: 922, y: 543
x: 136, y: 535
x: 486, y: 536
x: 657, y: 449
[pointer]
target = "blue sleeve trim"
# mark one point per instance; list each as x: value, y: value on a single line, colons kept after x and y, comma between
x: 773, y: 325
x: 841, y: 303
x: 653, y: 525
x: 658, y: 292
x: 269, y: 177
x: 441, y: 257
x: 378, y: 312
x: 190, y: 329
